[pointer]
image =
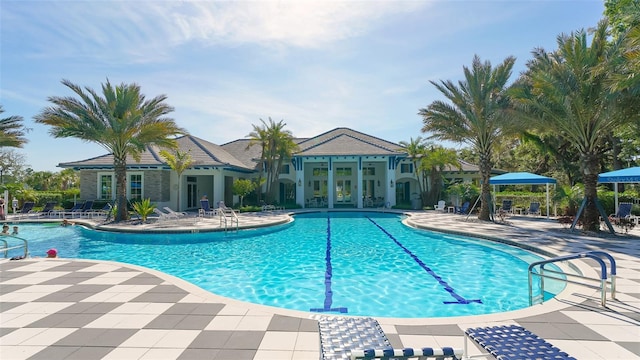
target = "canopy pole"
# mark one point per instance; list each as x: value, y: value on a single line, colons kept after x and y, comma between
x: 615, y: 194
x: 548, y: 201
x: 495, y: 196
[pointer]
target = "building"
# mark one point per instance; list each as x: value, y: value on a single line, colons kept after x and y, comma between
x: 339, y: 168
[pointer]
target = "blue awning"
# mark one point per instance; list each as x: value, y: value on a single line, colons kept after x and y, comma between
x: 519, y: 178
x: 630, y: 175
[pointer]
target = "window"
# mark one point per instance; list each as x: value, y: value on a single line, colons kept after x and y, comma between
x: 406, y: 168
x: 284, y: 169
x: 368, y: 171
x: 343, y: 171
x: 105, y: 183
x: 320, y: 172
x: 135, y: 186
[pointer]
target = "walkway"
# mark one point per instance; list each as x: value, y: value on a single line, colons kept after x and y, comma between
x: 79, y: 309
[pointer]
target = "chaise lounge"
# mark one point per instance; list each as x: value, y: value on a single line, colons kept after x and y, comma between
x: 343, y: 338
x: 512, y: 342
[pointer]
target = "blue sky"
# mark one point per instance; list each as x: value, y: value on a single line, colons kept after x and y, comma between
x: 224, y: 65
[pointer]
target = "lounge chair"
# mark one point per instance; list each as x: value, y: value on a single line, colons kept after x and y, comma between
x: 363, y: 338
x: 87, y: 209
x: 27, y: 208
x: 47, y: 209
x: 534, y: 208
x: 175, y: 214
x: 624, y: 212
x: 506, y: 207
x: 163, y: 216
x: 512, y: 342
x: 463, y: 209
x: 105, y: 211
x: 77, y: 208
x: 205, y: 209
x: 441, y: 206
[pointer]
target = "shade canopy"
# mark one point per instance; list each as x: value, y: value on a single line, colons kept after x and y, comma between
x: 629, y: 175
x: 520, y: 178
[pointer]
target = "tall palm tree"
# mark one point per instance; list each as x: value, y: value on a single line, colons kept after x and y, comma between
x: 477, y: 114
x: 11, y: 131
x: 277, y: 146
x: 434, y: 163
x: 566, y: 91
x: 179, y: 161
x: 259, y: 136
x: 122, y: 121
x: 415, y: 149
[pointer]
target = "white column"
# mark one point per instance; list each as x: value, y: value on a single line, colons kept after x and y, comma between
x: 331, y: 188
x: 359, y: 183
x: 300, y: 183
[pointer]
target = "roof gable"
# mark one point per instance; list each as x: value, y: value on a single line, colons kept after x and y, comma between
x: 344, y: 141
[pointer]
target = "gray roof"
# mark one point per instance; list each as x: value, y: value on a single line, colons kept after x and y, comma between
x: 344, y: 141
x: 204, y: 154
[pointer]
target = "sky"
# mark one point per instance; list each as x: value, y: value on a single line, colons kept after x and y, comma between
x: 225, y: 65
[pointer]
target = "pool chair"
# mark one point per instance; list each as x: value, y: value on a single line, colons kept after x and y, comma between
x: 176, y: 214
x: 74, y: 210
x: 463, y: 209
x: 47, y: 210
x: 163, y: 216
x: 86, y: 209
x: 534, y: 208
x: 624, y: 212
x: 511, y: 342
x: 26, y: 210
x: 506, y: 207
x: 441, y: 206
x: 205, y: 209
x: 344, y: 338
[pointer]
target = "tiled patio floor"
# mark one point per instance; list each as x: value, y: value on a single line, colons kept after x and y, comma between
x: 79, y: 309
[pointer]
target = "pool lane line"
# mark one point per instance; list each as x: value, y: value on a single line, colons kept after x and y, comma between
x: 328, y: 293
x: 445, y: 285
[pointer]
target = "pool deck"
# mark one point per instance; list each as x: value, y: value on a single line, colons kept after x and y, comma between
x: 84, y: 309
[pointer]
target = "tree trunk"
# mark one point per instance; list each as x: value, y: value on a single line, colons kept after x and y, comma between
x: 120, y: 168
x: 485, y: 174
x: 590, y: 165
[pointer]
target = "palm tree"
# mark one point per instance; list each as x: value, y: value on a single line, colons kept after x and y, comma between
x: 277, y: 146
x: 415, y: 149
x: 11, y: 131
x: 566, y: 91
x: 122, y: 121
x: 476, y: 114
x: 434, y: 163
x: 179, y: 162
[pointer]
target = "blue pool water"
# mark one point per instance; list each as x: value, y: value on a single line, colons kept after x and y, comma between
x: 329, y: 262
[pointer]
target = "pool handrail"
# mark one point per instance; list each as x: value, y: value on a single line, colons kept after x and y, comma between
x: 595, y: 255
x: 6, y: 248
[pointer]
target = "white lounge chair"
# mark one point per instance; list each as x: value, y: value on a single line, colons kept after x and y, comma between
x: 163, y: 216
x: 441, y: 206
x: 176, y: 214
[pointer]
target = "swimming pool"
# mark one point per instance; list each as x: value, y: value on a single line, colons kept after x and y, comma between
x: 328, y: 262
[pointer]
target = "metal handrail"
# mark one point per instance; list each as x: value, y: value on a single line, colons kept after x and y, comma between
x: 223, y: 215
x: 595, y: 255
x: 6, y: 248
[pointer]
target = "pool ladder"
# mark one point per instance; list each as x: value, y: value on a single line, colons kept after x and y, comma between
x: 606, y: 280
x: 5, y: 249
x: 227, y: 218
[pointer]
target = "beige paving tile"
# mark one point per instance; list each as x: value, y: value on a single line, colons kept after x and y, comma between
x: 19, y: 336
x: 618, y: 332
x: 129, y: 353
x: 224, y: 323
x: 306, y: 355
x: 260, y: 323
x: 145, y: 338
x: 23, y: 320
x: 48, y: 336
x: 275, y: 355
x: 307, y: 341
x: 279, y: 340
x: 162, y: 354
x: 17, y: 352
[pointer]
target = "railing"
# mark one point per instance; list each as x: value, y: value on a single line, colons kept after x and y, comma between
x: 6, y: 247
x: 549, y: 274
x: 227, y: 218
